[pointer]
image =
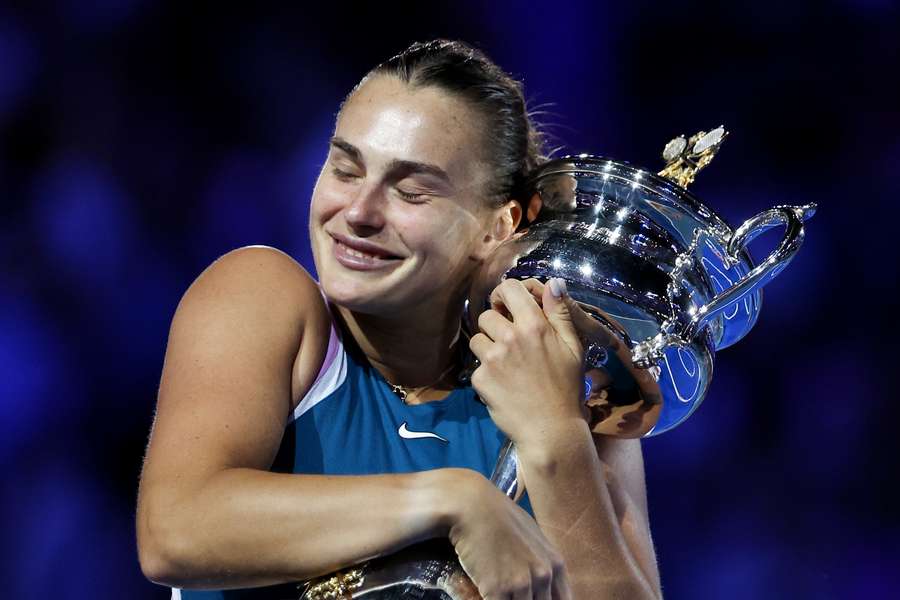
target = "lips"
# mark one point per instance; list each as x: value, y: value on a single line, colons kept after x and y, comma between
x: 361, y: 255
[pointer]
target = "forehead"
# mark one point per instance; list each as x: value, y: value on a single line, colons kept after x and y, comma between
x: 388, y: 119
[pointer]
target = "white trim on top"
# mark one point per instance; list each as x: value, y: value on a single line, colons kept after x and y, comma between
x: 329, y: 381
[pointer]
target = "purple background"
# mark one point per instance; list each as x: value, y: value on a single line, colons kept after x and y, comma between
x: 141, y: 140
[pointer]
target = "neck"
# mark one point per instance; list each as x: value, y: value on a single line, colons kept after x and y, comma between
x: 411, y: 350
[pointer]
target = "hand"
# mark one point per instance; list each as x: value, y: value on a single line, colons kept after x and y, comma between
x: 531, y: 373
x: 501, y: 548
x: 632, y: 420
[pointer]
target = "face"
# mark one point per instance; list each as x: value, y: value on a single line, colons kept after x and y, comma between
x: 398, y: 216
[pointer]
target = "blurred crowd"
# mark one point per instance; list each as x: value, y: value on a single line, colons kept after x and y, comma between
x: 141, y: 140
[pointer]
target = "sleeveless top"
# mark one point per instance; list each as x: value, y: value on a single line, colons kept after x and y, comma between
x: 350, y: 422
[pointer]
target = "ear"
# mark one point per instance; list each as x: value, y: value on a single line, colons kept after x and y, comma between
x: 502, y: 226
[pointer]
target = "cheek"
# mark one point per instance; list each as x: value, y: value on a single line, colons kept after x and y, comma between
x: 325, y: 202
x: 444, y: 239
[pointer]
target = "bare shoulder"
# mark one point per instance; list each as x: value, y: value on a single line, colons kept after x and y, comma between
x: 264, y: 292
x: 259, y: 275
x: 244, y: 341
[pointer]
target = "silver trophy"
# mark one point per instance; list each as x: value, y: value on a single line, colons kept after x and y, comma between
x: 668, y: 283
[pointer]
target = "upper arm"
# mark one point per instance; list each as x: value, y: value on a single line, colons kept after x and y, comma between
x: 247, y: 332
x: 623, y: 466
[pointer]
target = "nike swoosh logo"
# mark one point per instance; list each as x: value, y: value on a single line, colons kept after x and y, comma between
x: 417, y: 435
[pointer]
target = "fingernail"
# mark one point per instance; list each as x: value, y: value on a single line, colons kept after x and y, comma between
x: 557, y: 287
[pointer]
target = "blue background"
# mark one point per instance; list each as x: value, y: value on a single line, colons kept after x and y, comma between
x: 141, y: 140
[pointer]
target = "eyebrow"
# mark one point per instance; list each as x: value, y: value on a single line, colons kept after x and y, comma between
x: 407, y: 167
x: 342, y: 144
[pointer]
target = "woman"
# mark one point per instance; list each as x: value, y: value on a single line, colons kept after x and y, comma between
x: 302, y: 427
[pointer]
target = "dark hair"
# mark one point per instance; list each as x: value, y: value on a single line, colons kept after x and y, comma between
x: 514, y: 144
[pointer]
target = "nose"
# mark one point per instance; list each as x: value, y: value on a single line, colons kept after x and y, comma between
x: 365, y: 215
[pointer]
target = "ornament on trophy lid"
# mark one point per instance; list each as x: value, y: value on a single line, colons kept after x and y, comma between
x: 685, y: 158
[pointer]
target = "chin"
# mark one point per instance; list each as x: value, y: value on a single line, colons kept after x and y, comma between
x: 358, y: 296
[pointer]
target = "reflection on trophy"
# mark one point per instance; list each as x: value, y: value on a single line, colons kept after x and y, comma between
x: 668, y: 283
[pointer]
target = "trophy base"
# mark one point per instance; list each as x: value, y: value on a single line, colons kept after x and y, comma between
x: 426, y: 571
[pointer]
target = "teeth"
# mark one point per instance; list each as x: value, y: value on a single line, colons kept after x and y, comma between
x: 357, y: 253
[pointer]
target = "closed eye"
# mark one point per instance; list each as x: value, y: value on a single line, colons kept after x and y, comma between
x: 344, y: 175
x: 411, y: 196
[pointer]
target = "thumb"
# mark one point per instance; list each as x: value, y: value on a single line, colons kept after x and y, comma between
x: 559, y: 309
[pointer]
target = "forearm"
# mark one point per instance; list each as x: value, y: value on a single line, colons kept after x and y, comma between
x: 602, y: 533
x: 247, y: 528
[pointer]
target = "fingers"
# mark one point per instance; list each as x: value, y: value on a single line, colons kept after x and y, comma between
x: 522, y: 592
x: 547, y: 582
x: 510, y: 291
x: 559, y: 587
x: 495, y: 326
x: 507, y: 555
x: 558, y: 307
x: 548, y: 573
x: 536, y: 288
x: 542, y: 583
x: 517, y: 300
x: 480, y: 344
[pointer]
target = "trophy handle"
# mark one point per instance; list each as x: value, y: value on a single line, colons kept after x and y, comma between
x: 505, y: 475
x: 792, y: 217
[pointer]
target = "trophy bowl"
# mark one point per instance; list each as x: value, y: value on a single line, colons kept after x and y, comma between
x: 668, y: 279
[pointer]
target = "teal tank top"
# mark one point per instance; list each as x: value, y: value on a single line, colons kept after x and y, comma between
x: 352, y: 423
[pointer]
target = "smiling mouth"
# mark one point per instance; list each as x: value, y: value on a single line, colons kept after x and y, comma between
x: 362, y: 260
x: 365, y: 255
